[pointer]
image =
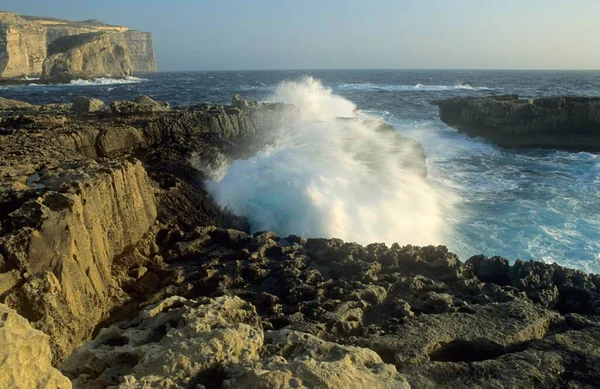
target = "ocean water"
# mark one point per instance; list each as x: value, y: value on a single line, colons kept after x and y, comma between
x: 327, y: 179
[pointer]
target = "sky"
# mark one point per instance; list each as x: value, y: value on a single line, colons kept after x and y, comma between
x: 350, y: 34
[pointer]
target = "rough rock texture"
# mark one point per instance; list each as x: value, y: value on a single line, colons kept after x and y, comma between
x: 140, y: 46
x: 78, y: 212
x: 64, y: 242
x: 7, y: 104
x: 24, y: 42
x: 179, y: 343
x: 85, y: 56
x: 104, y: 219
x: 333, y: 310
x: 86, y: 104
x: 22, y: 46
x: 568, y: 123
x: 139, y: 105
x: 25, y: 359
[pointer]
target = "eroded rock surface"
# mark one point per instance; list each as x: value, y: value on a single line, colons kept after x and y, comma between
x: 179, y: 343
x: 25, y: 358
x: 24, y: 43
x: 85, y: 56
x: 388, y: 316
x: 567, y: 123
x: 78, y: 211
x: 108, y: 234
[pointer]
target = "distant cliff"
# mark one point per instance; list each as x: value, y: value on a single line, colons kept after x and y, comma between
x: 24, y: 42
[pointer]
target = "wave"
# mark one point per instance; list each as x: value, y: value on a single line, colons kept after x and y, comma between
x: 410, y: 88
x: 96, y: 82
x: 108, y: 81
x: 326, y: 177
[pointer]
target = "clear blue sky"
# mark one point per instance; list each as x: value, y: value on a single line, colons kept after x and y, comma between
x: 317, y: 34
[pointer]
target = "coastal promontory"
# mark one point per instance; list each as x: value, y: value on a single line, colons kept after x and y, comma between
x: 29, y: 46
x: 562, y: 122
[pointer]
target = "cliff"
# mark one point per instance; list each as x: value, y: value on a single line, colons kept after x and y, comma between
x: 567, y: 123
x: 22, y: 46
x: 24, y: 42
x: 85, y: 56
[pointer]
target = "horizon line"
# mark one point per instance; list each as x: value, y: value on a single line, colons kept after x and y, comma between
x: 382, y: 69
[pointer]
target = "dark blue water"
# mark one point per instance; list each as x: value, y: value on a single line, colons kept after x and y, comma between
x: 529, y: 204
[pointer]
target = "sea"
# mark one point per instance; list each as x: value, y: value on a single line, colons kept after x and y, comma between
x: 333, y: 180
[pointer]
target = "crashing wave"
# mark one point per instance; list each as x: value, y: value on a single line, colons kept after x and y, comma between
x: 327, y: 177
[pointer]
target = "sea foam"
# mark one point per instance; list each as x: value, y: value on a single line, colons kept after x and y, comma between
x: 326, y: 177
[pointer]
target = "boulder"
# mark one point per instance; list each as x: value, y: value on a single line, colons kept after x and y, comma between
x: 141, y: 104
x: 87, y: 104
x: 25, y: 357
x: 7, y: 104
x: 85, y: 56
x: 566, y: 123
x: 241, y: 103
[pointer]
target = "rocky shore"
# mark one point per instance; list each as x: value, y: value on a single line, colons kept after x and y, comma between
x: 118, y: 270
x: 564, y: 123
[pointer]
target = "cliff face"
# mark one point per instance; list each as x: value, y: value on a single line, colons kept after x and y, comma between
x: 24, y: 42
x: 85, y: 56
x: 22, y: 46
x: 140, y: 47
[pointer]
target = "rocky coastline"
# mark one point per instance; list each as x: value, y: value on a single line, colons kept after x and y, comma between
x: 564, y: 123
x: 117, y: 269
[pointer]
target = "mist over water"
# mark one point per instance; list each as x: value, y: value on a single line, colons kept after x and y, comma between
x: 326, y: 177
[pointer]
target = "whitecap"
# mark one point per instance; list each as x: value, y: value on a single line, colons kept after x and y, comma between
x: 107, y: 81
x: 409, y: 88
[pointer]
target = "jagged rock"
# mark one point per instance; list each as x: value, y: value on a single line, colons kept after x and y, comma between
x: 87, y: 104
x: 66, y: 240
x: 139, y: 105
x: 241, y: 103
x: 72, y: 207
x: 293, y: 359
x: 567, y: 123
x: 173, y: 343
x: 179, y: 341
x: 85, y: 56
x: 25, y: 358
x: 7, y: 104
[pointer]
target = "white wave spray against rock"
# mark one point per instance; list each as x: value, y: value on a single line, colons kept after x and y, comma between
x: 327, y: 177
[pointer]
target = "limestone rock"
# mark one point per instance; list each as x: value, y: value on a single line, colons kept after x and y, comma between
x: 141, y: 104
x: 241, y: 103
x: 85, y: 56
x: 25, y: 358
x: 179, y: 341
x: 22, y: 46
x: 172, y: 343
x: 87, y: 104
x: 140, y: 46
x: 293, y: 359
x: 66, y: 240
x: 7, y: 104
x: 567, y: 123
